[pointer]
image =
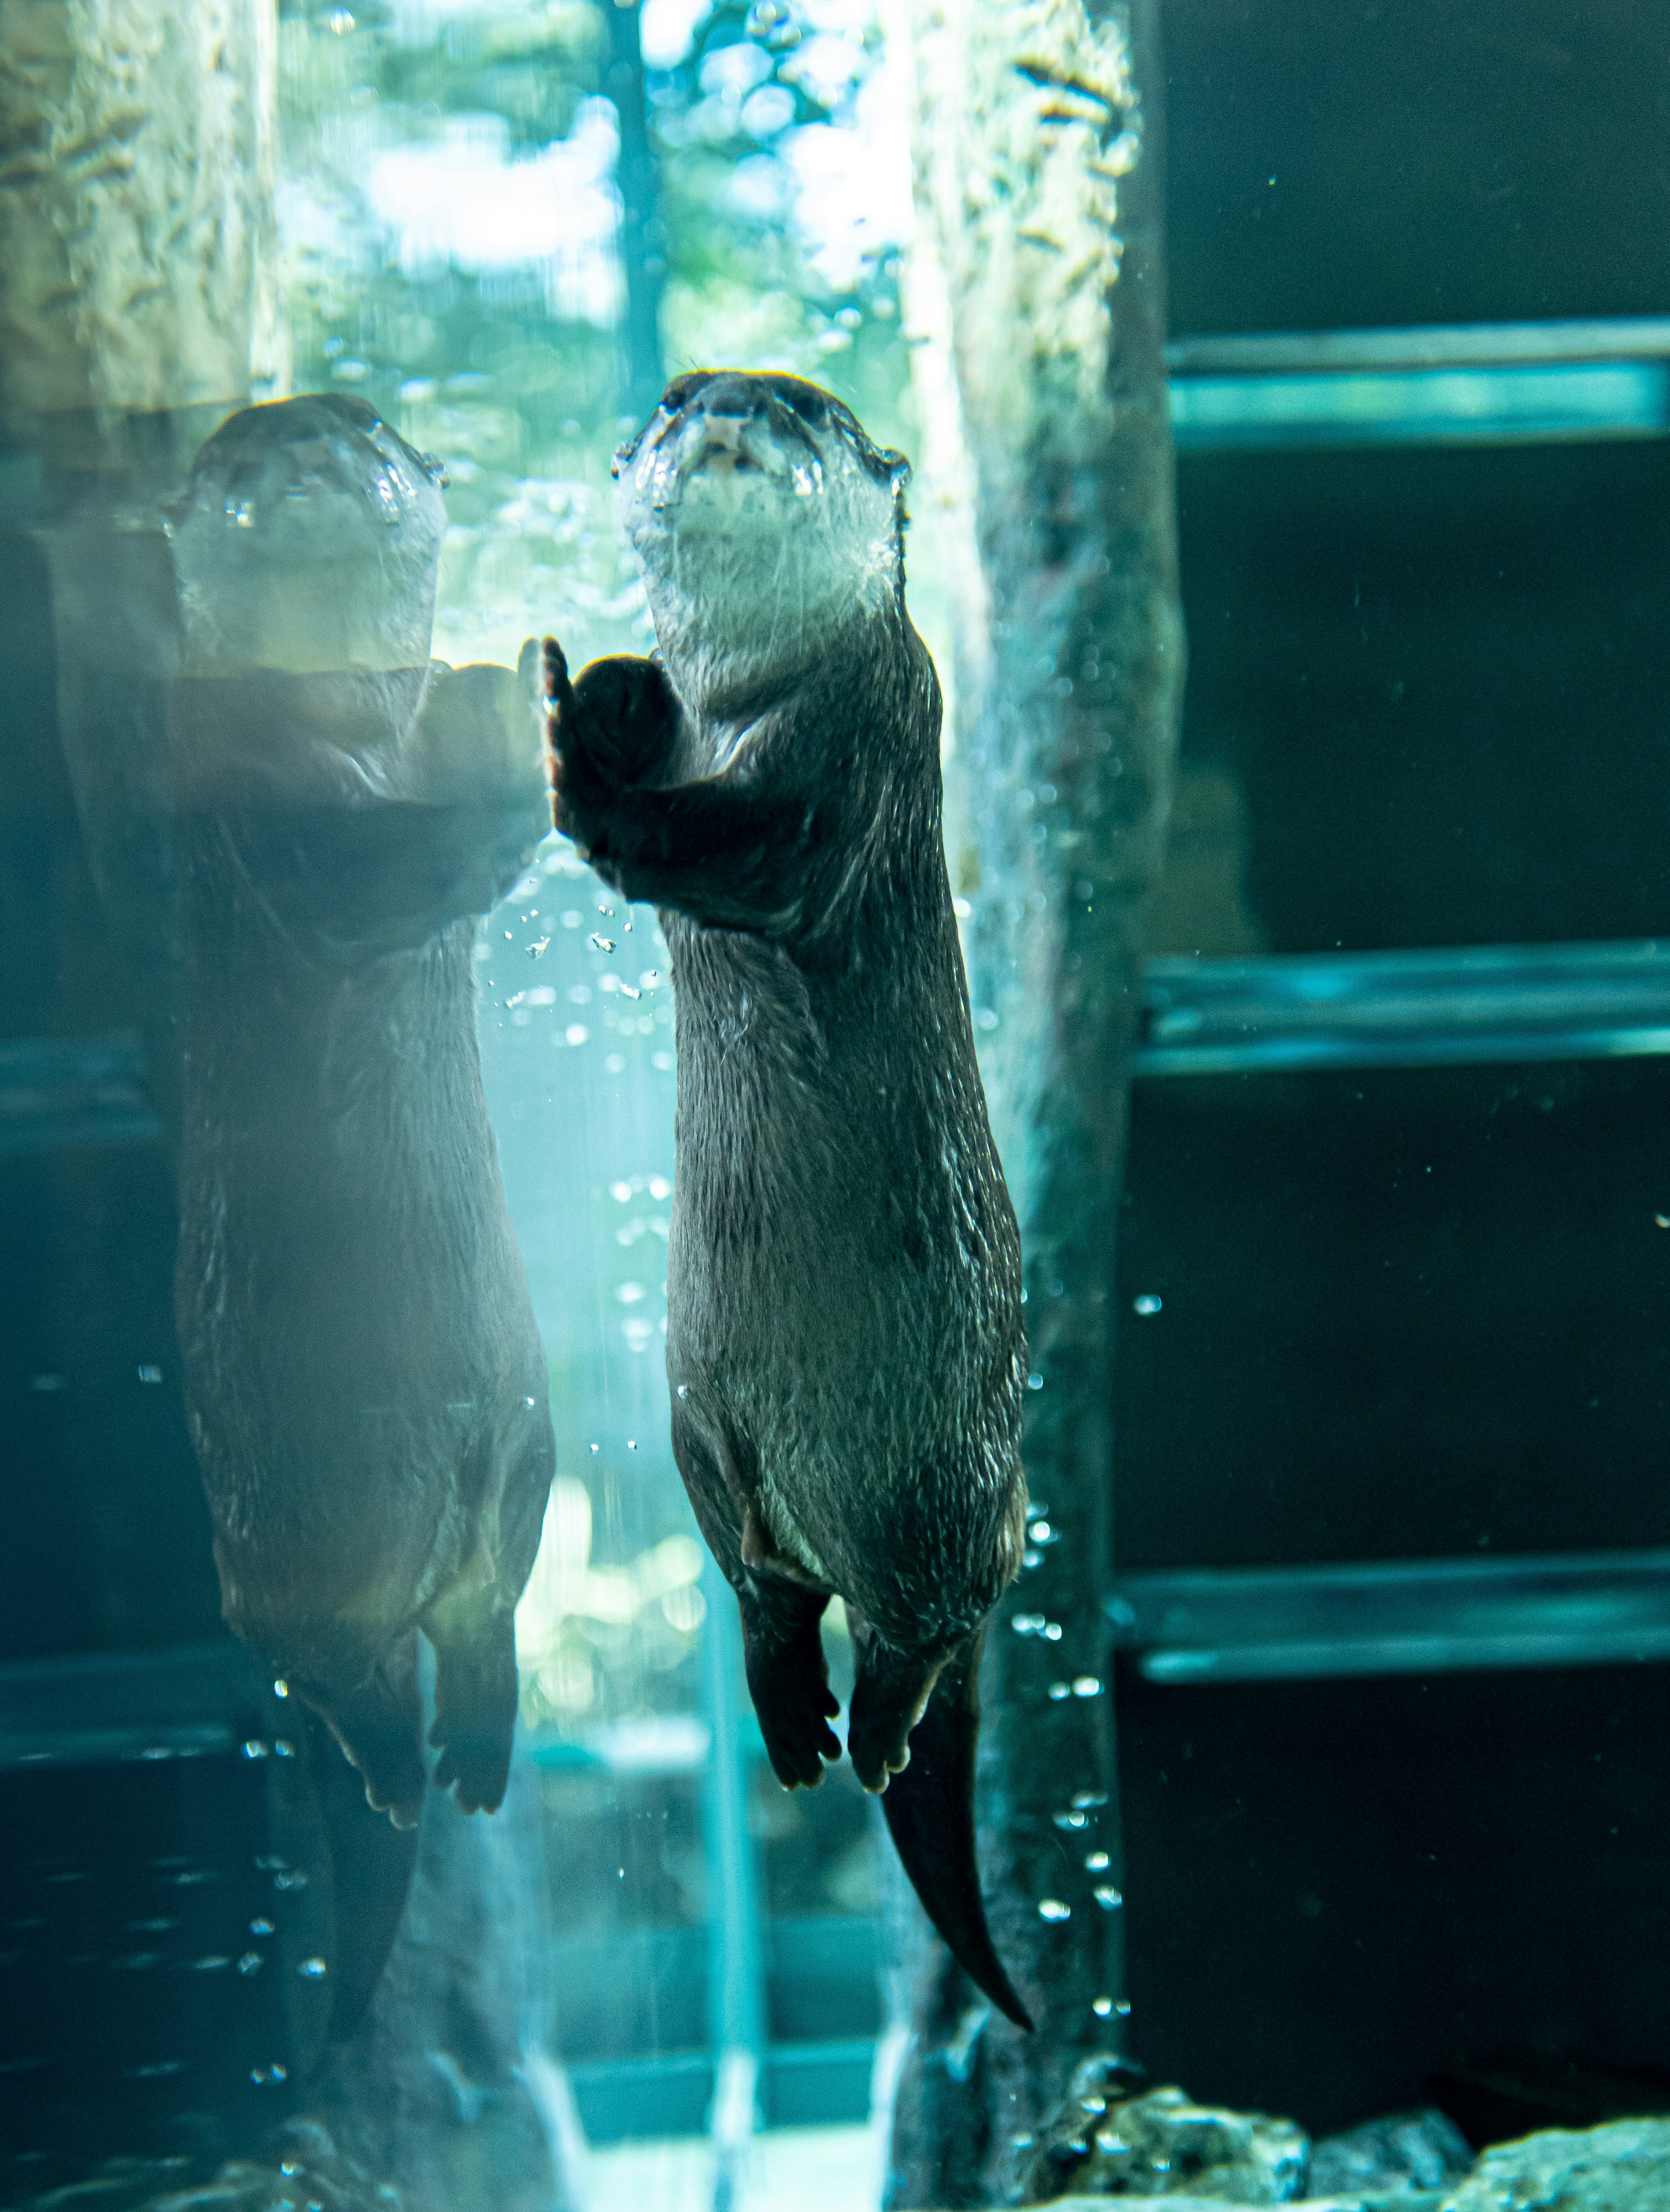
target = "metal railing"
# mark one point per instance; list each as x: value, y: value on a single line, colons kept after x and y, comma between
x: 1470, y: 1004
x: 1471, y: 384
x: 1399, y: 1617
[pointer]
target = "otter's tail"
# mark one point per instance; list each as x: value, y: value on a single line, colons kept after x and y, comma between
x: 930, y: 1808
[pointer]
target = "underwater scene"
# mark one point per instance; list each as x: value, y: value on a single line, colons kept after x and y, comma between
x: 834, y: 1061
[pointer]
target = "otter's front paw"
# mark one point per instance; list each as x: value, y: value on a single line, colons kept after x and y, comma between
x: 615, y: 728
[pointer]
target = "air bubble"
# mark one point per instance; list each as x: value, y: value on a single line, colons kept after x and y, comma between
x: 1097, y: 1861
x: 313, y: 1970
x: 1146, y: 1304
x: 772, y: 23
x: 1086, y: 1686
x: 1051, y: 1908
x: 1107, y: 1897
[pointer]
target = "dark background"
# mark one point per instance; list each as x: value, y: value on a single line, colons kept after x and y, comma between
x: 1408, y: 1313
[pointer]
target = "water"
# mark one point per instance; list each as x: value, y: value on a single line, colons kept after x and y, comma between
x: 1321, y: 1017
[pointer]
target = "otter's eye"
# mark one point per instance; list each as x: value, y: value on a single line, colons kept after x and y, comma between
x: 678, y: 392
x: 808, y: 403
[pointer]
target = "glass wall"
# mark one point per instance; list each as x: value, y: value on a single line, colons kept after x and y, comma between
x: 1322, y: 1016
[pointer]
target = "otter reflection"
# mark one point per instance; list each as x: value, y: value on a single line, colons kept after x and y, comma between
x: 365, y: 1384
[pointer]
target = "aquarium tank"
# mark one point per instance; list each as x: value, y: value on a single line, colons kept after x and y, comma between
x: 1015, y: 1166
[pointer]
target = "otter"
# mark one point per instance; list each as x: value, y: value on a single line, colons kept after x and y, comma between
x: 845, y: 1340
x: 364, y: 1382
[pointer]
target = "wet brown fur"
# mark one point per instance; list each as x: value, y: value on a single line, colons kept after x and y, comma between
x: 844, y: 1340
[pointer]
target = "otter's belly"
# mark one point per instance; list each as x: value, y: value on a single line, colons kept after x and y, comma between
x: 870, y: 1383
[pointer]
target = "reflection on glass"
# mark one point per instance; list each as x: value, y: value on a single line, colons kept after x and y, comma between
x: 305, y: 1009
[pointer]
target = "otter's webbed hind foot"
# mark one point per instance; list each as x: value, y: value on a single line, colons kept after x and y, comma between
x: 890, y: 1697
x: 788, y: 1678
x: 379, y: 1722
x: 474, y: 1647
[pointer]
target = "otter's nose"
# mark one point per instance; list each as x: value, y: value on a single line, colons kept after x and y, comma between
x: 725, y: 407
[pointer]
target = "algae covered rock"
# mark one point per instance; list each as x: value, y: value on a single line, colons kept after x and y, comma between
x: 1104, y: 2142
x: 1355, y: 2200
x: 1623, y: 2167
x: 1399, y: 2156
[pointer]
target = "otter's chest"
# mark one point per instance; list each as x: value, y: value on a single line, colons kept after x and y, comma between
x: 751, y: 1022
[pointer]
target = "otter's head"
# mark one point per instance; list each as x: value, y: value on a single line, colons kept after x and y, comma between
x: 767, y: 523
x: 309, y: 539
